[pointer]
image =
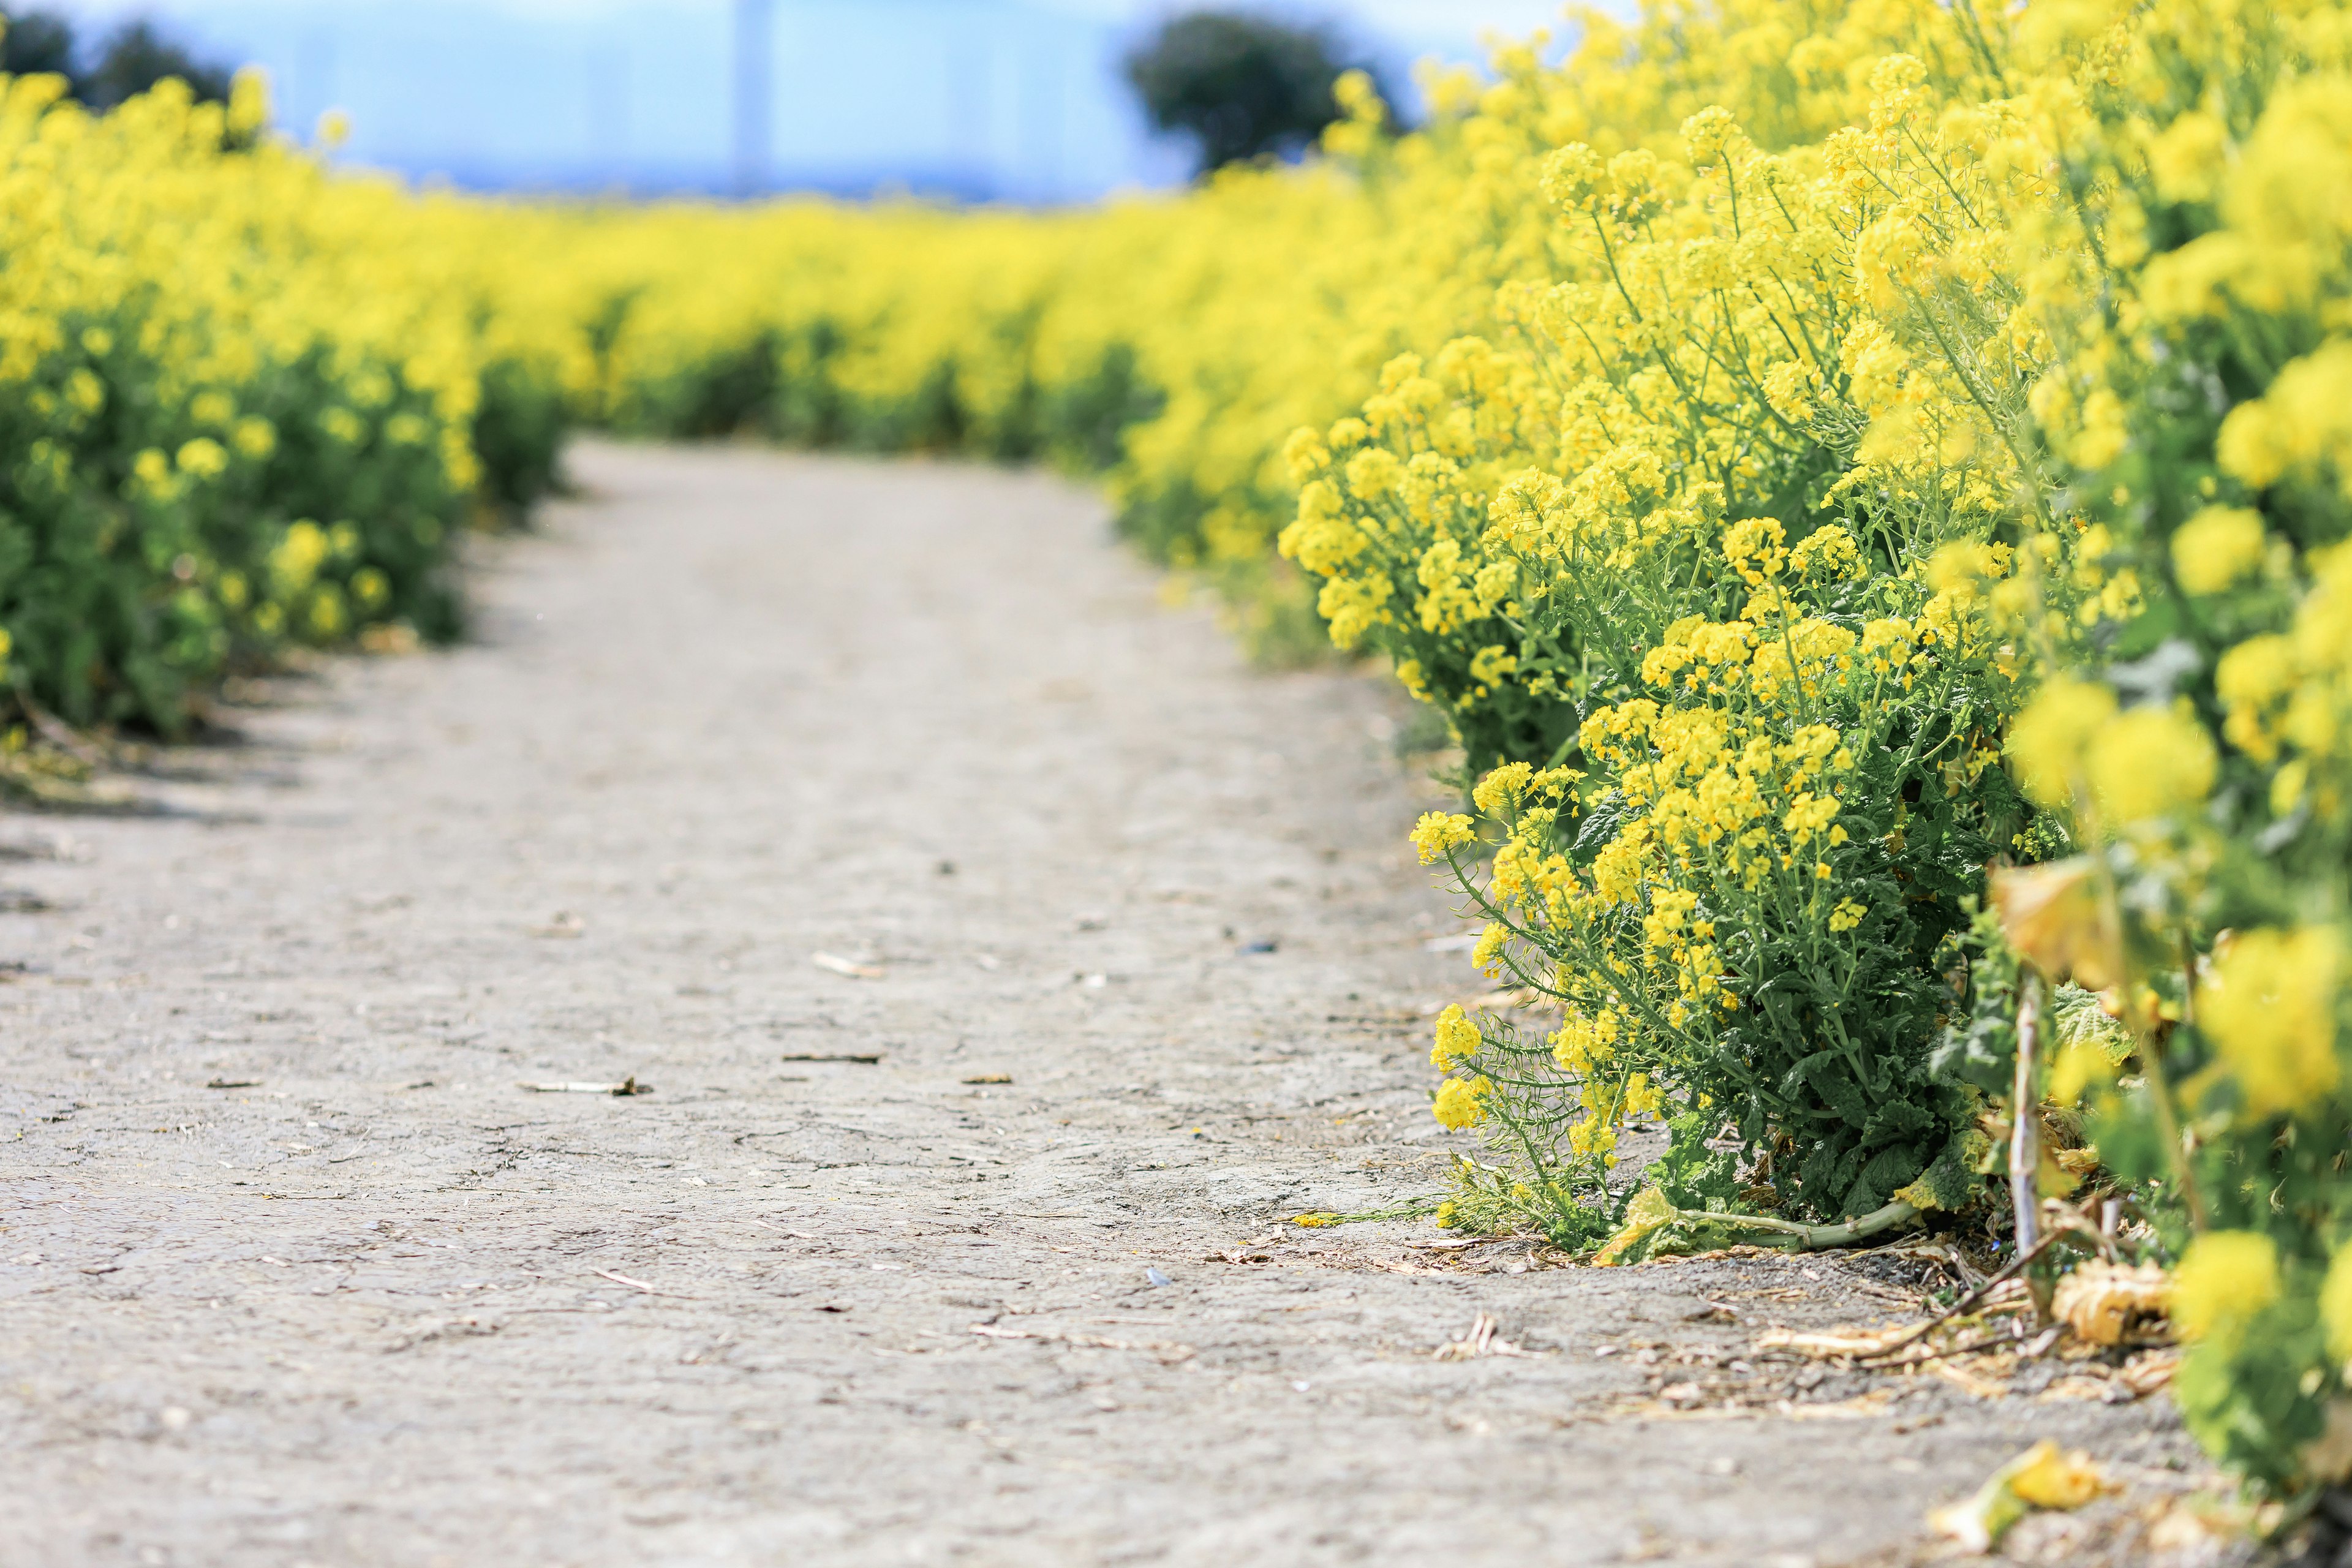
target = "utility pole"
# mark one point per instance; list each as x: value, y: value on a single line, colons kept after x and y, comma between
x: 754, y: 92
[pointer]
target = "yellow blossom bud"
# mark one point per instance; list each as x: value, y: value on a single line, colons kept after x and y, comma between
x: 2217, y: 546
x: 1439, y: 831
x: 2048, y: 740
x: 2270, y: 1008
x: 1459, y: 1103
x: 2149, y: 763
x: 1457, y: 1037
x: 2224, y: 1281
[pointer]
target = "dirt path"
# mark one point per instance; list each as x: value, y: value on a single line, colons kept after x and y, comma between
x: 370, y: 1302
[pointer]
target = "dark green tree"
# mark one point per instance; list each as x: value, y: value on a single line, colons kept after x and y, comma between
x: 134, y: 58
x: 1240, y: 86
x: 36, y: 42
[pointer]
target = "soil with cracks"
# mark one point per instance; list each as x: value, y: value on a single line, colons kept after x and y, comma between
x: 296, y: 1272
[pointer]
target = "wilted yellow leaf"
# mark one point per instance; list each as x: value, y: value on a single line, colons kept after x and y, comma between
x: 2051, y: 915
x: 2049, y: 1478
x: 2104, y: 1303
x: 2042, y: 1477
x: 1648, y: 1213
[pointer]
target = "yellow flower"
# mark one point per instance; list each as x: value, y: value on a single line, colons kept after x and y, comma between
x: 2224, y: 1281
x: 1960, y: 565
x: 2301, y: 423
x: 327, y: 616
x: 1457, y: 1037
x: 2250, y: 680
x: 1753, y: 547
x: 2081, y: 1063
x: 255, y: 436
x: 2103, y: 432
x: 1458, y: 1102
x: 1503, y: 784
x: 1439, y: 831
x: 1372, y: 473
x: 1808, y: 816
x: 2048, y: 740
x: 1829, y: 550
x: 2335, y: 1304
x: 371, y: 587
x: 204, y: 457
x: 299, y: 556
x: 2216, y: 547
x: 1491, y: 664
x: 2270, y: 1010
x: 1643, y: 1097
x: 2150, y: 762
x: 2187, y: 156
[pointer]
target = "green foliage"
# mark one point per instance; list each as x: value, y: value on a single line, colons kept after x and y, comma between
x: 211, y: 454
x: 131, y: 61
x: 1239, y: 86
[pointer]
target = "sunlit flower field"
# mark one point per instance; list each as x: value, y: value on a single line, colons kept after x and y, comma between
x: 1864, y: 485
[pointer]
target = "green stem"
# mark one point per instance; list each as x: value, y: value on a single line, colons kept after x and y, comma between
x: 1820, y: 1238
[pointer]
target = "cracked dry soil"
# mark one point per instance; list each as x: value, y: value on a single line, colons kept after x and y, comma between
x: 294, y: 1272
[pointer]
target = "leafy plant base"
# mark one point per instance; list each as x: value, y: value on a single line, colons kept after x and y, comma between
x: 1656, y: 1229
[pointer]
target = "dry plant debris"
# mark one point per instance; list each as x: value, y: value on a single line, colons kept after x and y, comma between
x: 1480, y: 1340
x: 627, y: 1086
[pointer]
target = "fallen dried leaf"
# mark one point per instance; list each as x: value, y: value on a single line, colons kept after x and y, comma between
x: 2108, y: 1303
x: 2151, y: 1370
x: 2041, y: 1478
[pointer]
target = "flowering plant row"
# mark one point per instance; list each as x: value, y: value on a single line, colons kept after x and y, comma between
x: 1888, y: 572
x: 242, y: 404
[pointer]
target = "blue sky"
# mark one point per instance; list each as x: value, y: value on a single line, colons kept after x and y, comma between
x: 1016, y: 100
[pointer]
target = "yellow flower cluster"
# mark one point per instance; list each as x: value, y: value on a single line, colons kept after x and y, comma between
x: 245, y: 403
x: 2270, y: 1008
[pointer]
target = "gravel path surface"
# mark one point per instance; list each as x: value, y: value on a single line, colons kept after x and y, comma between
x: 293, y: 1271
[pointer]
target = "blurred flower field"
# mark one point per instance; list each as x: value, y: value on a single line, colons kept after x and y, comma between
x: 1866, y: 484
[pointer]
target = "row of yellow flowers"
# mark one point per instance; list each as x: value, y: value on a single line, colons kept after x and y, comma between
x: 1928, y: 493
x: 248, y: 403
x: 231, y: 417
